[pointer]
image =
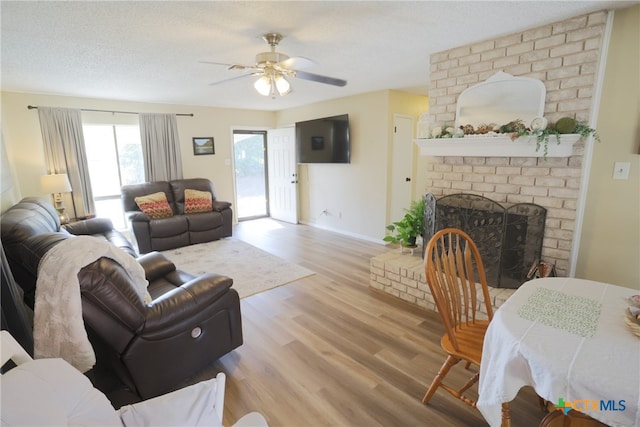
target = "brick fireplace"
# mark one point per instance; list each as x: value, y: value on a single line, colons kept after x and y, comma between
x: 565, y: 56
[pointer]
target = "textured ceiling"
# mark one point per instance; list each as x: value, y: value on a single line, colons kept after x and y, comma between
x: 150, y: 51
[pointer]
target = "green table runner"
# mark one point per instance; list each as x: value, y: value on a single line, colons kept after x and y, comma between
x: 574, y: 314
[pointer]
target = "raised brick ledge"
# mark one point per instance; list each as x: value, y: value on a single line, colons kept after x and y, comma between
x: 402, y: 275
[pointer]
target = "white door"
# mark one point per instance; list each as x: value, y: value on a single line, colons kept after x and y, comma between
x: 402, y: 166
x: 283, y: 174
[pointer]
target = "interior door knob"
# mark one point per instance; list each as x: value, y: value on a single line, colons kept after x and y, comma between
x: 407, y: 179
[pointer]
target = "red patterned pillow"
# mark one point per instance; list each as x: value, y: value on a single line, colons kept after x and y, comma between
x: 196, y: 201
x: 155, y: 205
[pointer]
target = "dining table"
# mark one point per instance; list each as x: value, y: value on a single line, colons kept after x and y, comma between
x: 567, y: 338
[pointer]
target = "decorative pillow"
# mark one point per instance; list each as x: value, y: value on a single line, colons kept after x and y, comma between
x: 155, y: 205
x: 196, y: 201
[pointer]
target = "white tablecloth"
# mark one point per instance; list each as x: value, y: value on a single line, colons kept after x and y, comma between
x: 567, y: 339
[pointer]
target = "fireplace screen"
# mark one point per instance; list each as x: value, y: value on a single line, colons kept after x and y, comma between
x: 509, y: 239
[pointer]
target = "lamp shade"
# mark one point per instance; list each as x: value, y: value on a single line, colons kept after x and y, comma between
x: 55, y: 183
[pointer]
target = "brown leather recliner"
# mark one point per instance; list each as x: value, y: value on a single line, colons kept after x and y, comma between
x: 191, y: 322
x: 180, y: 229
x: 152, y: 348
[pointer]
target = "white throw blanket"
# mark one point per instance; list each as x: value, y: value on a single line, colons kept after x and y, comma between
x: 58, y: 326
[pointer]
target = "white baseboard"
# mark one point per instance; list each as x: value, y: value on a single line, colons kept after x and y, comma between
x: 343, y: 232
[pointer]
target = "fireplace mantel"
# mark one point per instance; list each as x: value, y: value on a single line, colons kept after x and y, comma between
x: 496, y: 146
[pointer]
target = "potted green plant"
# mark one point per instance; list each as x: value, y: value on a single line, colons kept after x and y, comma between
x: 405, y: 231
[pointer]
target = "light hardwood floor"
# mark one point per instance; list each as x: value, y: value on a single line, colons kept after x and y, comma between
x: 327, y: 350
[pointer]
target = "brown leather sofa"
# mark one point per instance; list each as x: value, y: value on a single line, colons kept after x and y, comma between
x: 152, y: 348
x: 34, y: 216
x: 180, y: 229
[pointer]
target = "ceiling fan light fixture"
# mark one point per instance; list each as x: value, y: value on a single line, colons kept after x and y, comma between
x: 263, y: 85
x: 274, y: 68
x: 282, y: 84
x: 272, y: 84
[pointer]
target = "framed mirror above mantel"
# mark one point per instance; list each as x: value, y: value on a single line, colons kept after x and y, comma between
x: 498, y: 100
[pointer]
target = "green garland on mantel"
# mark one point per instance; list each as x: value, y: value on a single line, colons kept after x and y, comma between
x: 542, y: 136
x: 516, y: 129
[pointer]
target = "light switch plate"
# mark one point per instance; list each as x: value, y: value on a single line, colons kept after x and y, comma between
x: 621, y: 170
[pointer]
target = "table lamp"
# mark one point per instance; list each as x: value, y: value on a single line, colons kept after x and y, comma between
x: 56, y: 184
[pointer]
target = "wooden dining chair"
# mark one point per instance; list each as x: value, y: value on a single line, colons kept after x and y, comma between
x: 456, y: 276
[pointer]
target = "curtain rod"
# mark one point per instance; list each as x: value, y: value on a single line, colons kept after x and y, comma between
x: 31, y: 107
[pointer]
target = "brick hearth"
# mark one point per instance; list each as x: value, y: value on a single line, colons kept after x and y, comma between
x: 402, y: 275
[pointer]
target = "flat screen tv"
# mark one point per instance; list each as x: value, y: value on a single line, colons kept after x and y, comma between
x: 324, y: 140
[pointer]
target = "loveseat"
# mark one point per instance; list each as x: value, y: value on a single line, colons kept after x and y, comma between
x: 172, y: 218
x: 152, y: 347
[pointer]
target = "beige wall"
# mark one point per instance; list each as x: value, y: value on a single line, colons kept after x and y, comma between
x: 610, y: 243
x: 354, y: 195
x: 343, y: 190
x: 23, y: 141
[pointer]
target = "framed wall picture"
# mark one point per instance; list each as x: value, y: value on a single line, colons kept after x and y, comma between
x: 203, y: 145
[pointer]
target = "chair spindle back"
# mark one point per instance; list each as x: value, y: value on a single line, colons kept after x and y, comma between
x: 456, y: 276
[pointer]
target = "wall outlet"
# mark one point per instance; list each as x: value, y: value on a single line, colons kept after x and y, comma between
x: 621, y: 170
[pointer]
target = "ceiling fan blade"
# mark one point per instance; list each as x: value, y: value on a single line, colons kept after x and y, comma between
x: 320, y: 79
x: 233, y: 78
x: 215, y: 63
x: 297, y: 62
x: 230, y: 66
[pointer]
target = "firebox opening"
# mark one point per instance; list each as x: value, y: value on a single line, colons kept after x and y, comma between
x: 509, y: 239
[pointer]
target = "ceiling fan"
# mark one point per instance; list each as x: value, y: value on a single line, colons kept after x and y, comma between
x: 274, y: 68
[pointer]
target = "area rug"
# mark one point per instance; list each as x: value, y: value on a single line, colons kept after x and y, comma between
x: 252, y: 270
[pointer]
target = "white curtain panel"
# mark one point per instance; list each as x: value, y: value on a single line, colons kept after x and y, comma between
x: 64, y: 152
x: 160, y: 147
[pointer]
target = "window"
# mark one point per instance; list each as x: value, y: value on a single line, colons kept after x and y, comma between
x: 114, y: 155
